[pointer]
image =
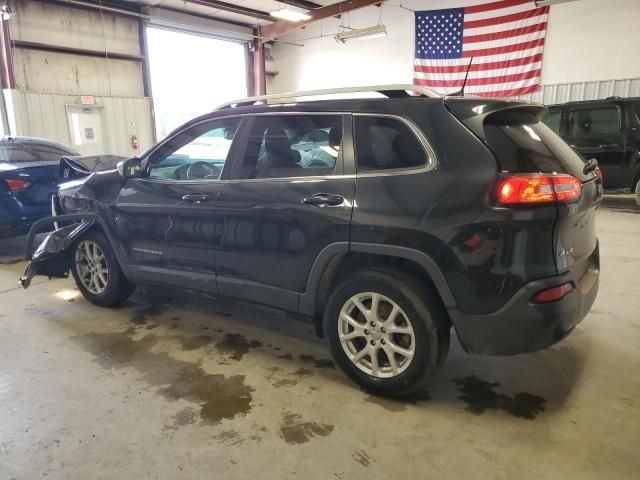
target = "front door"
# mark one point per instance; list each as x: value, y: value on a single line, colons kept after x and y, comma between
x: 167, y: 220
x: 596, y: 131
x: 289, y: 197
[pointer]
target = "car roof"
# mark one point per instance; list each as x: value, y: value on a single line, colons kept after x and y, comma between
x: 7, y: 139
x: 596, y: 101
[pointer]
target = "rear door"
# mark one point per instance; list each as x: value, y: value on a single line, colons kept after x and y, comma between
x: 597, y: 131
x: 290, y: 197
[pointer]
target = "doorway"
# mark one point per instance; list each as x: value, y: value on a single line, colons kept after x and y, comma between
x: 191, y: 75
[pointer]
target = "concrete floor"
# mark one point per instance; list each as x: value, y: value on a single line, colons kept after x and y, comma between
x: 177, y: 388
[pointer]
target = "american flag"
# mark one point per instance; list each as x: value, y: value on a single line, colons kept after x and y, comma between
x: 505, y: 39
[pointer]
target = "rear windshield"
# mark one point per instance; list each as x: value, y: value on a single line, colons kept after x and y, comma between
x: 18, y: 152
x: 522, y: 144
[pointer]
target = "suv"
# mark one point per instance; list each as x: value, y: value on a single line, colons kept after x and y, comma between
x: 385, y: 221
x: 607, y: 130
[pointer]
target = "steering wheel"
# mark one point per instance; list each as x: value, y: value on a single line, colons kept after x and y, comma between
x: 202, y: 169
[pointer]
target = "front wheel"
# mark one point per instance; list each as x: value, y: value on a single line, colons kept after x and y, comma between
x: 638, y: 193
x: 387, y: 331
x: 97, y: 273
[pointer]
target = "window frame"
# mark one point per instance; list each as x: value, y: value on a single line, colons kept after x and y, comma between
x: 430, y: 154
x: 228, y: 163
x: 581, y: 108
x: 343, y: 166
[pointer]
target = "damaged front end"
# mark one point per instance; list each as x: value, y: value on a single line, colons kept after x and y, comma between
x: 51, y: 258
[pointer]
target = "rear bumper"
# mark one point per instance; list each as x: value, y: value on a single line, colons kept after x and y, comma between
x: 522, y: 326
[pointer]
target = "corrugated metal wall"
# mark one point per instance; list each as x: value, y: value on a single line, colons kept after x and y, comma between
x: 568, y: 92
x: 44, y: 115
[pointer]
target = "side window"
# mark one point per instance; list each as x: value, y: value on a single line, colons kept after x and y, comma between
x: 636, y: 109
x: 284, y: 146
x: 594, y: 121
x: 199, y: 153
x: 385, y: 144
x: 552, y: 120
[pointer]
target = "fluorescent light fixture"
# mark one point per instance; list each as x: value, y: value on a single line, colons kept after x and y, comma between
x: 547, y: 3
x: 291, y: 15
x: 361, y: 33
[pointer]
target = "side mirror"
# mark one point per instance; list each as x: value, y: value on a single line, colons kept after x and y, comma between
x: 130, y: 168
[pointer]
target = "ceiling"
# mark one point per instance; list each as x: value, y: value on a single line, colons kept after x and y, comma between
x: 245, y: 8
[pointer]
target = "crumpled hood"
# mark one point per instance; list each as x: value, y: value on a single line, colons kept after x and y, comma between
x: 71, y: 167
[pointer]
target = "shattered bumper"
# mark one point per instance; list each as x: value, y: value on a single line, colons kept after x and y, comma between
x: 51, y: 258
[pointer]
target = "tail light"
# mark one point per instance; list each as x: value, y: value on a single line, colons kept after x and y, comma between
x: 17, y: 185
x: 531, y: 189
x: 553, y: 294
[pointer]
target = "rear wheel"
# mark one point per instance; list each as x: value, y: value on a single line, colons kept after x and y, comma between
x: 638, y: 193
x: 97, y: 273
x: 388, y: 332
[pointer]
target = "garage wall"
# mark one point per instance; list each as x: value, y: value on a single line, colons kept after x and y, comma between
x: 47, y: 81
x: 587, y: 40
x: 32, y: 114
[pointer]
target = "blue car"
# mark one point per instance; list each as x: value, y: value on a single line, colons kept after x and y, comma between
x: 28, y: 178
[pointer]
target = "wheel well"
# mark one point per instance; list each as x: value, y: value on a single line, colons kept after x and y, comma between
x: 342, y: 265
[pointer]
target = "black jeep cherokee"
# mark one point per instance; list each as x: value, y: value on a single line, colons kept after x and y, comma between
x: 607, y: 130
x: 387, y: 221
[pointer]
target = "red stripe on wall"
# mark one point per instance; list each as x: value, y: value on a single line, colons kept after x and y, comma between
x: 495, y: 5
x: 516, y: 77
x: 514, y: 17
x: 479, y: 67
x: 487, y: 37
x: 506, y: 49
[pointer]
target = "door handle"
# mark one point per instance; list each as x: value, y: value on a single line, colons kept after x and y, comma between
x: 196, y: 197
x: 323, y: 200
x: 608, y: 146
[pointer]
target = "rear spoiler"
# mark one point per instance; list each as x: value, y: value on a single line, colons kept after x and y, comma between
x: 81, y: 166
x: 473, y: 112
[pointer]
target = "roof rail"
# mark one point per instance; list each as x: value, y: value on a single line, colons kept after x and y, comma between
x: 390, y: 91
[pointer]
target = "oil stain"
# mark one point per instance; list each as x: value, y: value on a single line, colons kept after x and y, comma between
x: 294, y: 431
x: 286, y: 356
x: 362, y: 458
x: 194, y: 343
x: 142, y: 314
x: 236, y: 345
x: 316, y: 362
x: 230, y: 437
x: 186, y: 416
x: 303, y: 373
x: 220, y: 397
x: 480, y: 396
x: 285, y: 382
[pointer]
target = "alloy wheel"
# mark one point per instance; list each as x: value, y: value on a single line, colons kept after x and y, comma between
x: 376, y: 335
x: 92, y: 267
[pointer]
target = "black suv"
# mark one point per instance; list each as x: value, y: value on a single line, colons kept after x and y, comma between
x: 607, y: 130
x: 386, y: 221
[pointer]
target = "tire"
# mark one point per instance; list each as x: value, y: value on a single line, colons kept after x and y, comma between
x: 108, y: 288
x: 637, y: 192
x: 420, y: 316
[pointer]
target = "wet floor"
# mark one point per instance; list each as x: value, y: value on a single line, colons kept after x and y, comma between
x: 176, y: 386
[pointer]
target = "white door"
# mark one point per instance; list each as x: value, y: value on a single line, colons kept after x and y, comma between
x: 85, y: 129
